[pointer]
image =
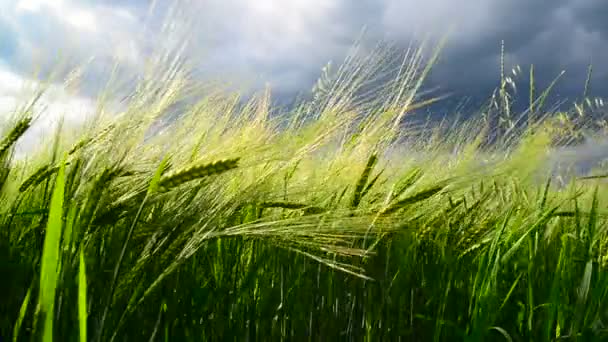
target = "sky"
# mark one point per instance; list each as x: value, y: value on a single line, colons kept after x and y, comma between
x: 286, y: 43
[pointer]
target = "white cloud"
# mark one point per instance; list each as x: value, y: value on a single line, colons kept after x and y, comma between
x: 51, y: 31
x: 80, y: 18
x: 57, y: 102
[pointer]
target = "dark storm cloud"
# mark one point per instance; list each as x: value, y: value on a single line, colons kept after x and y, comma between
x: 285, y: 43
x: 592, y: 16
x: 549, y: 34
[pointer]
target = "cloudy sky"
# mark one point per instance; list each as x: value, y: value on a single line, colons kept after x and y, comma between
x: 286, y: 42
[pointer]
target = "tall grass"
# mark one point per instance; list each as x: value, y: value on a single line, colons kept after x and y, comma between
x: 330, y: 222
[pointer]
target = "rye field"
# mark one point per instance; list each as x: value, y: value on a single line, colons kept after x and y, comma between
x: 197, y: 214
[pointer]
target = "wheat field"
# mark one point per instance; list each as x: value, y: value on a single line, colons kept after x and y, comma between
x: 330, y: 221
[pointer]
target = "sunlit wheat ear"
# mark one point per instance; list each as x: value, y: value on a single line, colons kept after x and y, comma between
x: 82, y: 143
x: 362, y: 182
x: 418, y: 197
x: 14, y: 135
x: 38, y: 176
x: 33, y: 178
x: 469, y: 241
x: 91, y: 140
x: 284, y: 205
x: 182, y: 176
x: 308, y: 209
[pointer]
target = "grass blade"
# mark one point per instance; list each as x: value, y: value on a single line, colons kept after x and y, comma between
x: 82, y: 298
x: 22, y: 312
x: 50, y: 257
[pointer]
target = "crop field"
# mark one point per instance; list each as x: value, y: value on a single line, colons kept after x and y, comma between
x: 196, y: 214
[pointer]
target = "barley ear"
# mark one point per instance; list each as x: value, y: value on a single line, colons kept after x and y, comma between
x: 14, y: 135
x: 39, y: 176
x: 359, y: 189
x: 182, y: 176
x: 418, y: 197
